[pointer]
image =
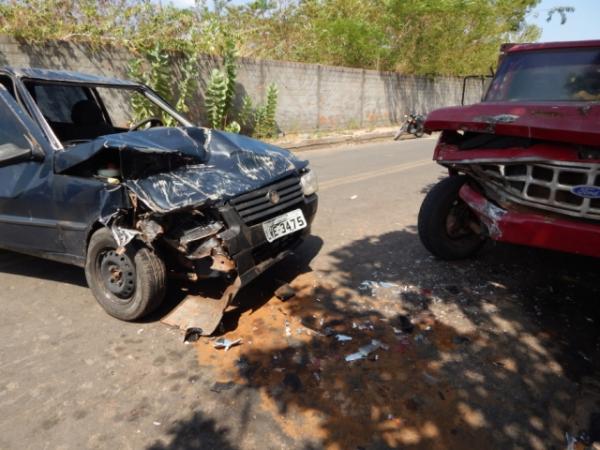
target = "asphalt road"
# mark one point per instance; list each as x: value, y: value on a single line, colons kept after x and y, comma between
x: 496, y: 352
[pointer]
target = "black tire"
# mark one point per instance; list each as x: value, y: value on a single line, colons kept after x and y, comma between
x: 442, y: 201
x: 140, y: 289
x: 420, y: 132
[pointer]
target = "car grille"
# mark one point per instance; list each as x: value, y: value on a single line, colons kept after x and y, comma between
x: 543, y: 185
x: 255, y: 206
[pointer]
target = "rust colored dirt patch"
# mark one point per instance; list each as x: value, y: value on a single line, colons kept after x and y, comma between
x: 394, y: 396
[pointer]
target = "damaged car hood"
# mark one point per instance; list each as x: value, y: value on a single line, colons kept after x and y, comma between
x: 569, y: 122
x: 203, y: 165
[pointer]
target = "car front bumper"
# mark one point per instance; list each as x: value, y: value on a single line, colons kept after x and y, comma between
x: 248, y: 246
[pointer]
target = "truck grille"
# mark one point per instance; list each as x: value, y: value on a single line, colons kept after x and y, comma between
x: 255, y: 206
x: 543, y: 185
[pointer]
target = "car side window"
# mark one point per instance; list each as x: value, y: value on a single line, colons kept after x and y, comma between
x: 16, y: 142
x: 6, y: 81
x: 57, y: 101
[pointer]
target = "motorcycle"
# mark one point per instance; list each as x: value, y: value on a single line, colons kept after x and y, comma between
x: 413, y: 124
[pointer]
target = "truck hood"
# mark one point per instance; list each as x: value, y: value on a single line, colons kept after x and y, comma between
x: 174, y: 168
x: 573, y: 123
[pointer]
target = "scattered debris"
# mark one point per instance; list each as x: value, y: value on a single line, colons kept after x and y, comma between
x: 363, y: 326
x: 156, y: 424
x: 364, y: 351
x: 342, y: 338
x: 288, y: 330
x: 226, y: 343
x: 571, y: 441
x: 219, y: 387
x: 354, y: 197
x: 285, y: 292
x: 372, y: 286
x: 192, y: 334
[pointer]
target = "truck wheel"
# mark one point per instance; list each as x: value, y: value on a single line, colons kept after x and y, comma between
x: 444, y: 222
x: 129, y: 285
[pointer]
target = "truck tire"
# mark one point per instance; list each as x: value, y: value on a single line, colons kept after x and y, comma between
x: 442, y: 222
x: 127, y: 285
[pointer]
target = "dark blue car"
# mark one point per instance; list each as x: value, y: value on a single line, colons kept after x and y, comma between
x: 134, y: 203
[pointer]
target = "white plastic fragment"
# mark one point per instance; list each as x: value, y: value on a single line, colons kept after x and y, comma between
x: 373, y: 286
x: 571, y: 441
x: 226, y: 343
x: 364, y: 351
x: 342, y: 338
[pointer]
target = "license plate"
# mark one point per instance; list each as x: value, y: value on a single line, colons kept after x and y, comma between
x: 283, y: 225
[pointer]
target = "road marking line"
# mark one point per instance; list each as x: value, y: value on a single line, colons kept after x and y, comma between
x: 373, y: 174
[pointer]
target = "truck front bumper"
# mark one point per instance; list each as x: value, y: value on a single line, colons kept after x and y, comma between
x: 533, y: 228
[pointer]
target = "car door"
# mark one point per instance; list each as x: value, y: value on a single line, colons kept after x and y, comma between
x: 27, y: 220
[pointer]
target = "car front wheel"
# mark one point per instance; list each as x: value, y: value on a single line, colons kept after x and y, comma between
x: 128, y: 284
x: 445, y: 222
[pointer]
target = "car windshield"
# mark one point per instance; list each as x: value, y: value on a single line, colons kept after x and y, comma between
x: 80, y: 112
x: 548, y: 75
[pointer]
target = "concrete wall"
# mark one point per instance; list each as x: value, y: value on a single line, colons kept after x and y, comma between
x: 311, y: 97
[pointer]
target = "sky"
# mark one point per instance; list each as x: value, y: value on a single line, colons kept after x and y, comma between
x: 584, y: 23
x: 581, y: 24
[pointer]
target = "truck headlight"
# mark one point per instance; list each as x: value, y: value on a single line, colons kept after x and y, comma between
x: 309, y: 182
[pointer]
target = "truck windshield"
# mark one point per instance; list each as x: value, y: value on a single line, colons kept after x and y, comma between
x: 548, y: 75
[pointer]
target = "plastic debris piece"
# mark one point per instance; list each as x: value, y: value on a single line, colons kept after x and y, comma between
x: 371, y: 287
x: 219, y: 387
x: 288, y: 330
x: 328, y: 331
x: 354, y: 197
x: 226, y: 343
x: 342, y: 338
x: 285, y: 292
x: 192, y: 334
x: 571, y: 441
x: 156, y: 424
x: 364, y: 351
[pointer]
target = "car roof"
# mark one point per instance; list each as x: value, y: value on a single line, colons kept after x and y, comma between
x: 513, y: 48
x: 67, y: 77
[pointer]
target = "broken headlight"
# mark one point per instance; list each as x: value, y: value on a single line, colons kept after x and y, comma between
x: 309, y: 182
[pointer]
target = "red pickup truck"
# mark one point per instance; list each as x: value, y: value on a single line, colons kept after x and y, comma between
x: 524, y: 164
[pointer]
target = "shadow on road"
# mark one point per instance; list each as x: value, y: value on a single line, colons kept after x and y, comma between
x: 496, y: 352
x: 199, y: 433
x: 17, y: 264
